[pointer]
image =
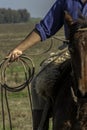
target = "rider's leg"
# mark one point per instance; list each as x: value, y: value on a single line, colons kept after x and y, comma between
x: 37, y: 108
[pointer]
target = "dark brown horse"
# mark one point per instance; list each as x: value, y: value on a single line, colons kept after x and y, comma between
x: 78, y: 51
x: 66, y: 113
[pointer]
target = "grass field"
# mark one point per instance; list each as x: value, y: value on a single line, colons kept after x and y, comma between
x: 10, y: 36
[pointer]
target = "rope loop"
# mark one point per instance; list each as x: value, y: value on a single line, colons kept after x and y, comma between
x: 28, y: 69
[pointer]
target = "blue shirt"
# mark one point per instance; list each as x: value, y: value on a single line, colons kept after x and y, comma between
x: 54, y: 19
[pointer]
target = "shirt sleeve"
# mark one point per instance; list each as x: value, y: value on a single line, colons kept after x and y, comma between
x: 52, y: 22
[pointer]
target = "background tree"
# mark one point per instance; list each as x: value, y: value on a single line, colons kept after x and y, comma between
x: 14, y: 16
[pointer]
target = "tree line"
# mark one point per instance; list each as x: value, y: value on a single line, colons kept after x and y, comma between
x: 14, y: 16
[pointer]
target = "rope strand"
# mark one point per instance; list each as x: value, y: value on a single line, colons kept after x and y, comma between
x: 29, y: 73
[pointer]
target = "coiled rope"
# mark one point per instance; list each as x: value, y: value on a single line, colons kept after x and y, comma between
x: 29, y: 73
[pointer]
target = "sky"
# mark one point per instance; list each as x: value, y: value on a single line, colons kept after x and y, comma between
x: 36, y: 8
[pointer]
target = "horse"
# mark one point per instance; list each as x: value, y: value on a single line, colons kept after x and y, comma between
x: 78, y: 52
x: 66, y: 86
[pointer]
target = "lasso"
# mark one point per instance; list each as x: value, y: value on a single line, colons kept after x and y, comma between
x: 29, y: 73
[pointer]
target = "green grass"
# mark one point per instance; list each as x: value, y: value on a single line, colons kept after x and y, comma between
x: 10, y: 36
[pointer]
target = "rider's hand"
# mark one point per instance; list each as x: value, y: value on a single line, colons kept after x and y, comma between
x: 13, y: 55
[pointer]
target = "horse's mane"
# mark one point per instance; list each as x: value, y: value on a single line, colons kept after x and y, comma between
x: 75, y: 25
x: 82, y: 22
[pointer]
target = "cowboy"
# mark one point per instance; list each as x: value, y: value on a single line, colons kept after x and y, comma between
x: 47, y: 27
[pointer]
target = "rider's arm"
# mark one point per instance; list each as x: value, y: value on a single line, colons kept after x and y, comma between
x: 30, y: 40
x: 51, y: 23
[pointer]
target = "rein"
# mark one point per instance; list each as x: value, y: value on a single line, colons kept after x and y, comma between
x: 82, y: 29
